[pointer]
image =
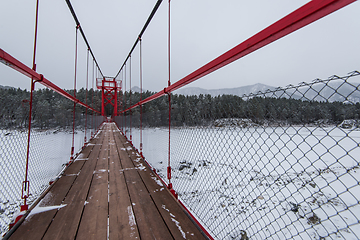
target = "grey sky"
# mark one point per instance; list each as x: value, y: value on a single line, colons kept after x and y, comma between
x: 201, y: 31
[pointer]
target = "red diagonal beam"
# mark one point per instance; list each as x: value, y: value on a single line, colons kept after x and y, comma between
x: 310, y: 12
x: 12, y: 62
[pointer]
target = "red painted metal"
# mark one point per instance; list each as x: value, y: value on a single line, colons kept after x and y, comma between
x: 169, y: 172
x: 130, y: 100
x: 169, y: 167
x: 35, y: 35
x: 141, y: 112
x: 109, y: 89
x: 310, y: 12
x: 124, y: 96
x: 75, y: 73
x: 86, y: 94
x: 23, y: 209
x: 92, y: 97
x: 169, y: 100
x: 26, y: 184
x: 25, y: 190
x: 12, y: 62
x: 196, y: 221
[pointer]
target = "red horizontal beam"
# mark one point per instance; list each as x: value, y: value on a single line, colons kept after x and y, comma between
x: 308, y: 13
x: 12, y: 62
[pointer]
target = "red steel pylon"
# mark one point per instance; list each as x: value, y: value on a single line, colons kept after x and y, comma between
x: 109, y: 89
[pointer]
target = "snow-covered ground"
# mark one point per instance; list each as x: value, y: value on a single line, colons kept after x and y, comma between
x: 49, y: 151
x: 265, y: 183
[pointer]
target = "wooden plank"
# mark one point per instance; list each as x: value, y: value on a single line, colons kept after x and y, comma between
x: 122, y: 224
x: 172, y: 212
x: 74, y: 168
x: 175, y: 217
x: 35, y: 226
x: 94, y: 221
x: 77, y: 165
x: 148, y: 218
x: 87, y: 149
x: 66, y: 221
x: 119, y: 189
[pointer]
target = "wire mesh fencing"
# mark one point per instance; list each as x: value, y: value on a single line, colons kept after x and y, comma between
x: 49, y: 149
x: 279, y: 164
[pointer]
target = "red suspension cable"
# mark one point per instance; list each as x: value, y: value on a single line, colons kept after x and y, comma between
x: 310, y: 12
x: 169, y: 99
x: 141, y: 142
x: 124, y: 72
x: 130, y: 99
x: 73, y: 136
x: 92, y: 99
x: 169, y: 82
x: 86, y: 93
x: 25, y: 191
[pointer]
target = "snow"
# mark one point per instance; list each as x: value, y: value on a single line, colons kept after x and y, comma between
x: 132, y: 222
x: 157, y: 181
x: 179, y: 227
x: 177, y: 223
x: 38, y: 209
x: 268, y: 183
x: 141, y: 167
x: 244, y: 180
x: 131, y: 216
x: 49, y: 152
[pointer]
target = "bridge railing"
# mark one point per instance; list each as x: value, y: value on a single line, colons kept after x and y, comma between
x: 50, y: 145
x: 280, y: 164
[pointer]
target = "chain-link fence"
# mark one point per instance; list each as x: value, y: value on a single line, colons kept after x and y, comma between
x: 50, y: 144
x: 279, y: 164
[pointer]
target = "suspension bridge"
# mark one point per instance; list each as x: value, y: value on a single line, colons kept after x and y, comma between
x: 249, y: 169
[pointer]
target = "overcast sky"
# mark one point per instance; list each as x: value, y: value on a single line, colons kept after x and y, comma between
x: 201, y: 30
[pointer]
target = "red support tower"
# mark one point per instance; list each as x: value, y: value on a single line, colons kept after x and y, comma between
x: 109, y: 91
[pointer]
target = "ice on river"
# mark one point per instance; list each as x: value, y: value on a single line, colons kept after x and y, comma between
x: 267, y: 183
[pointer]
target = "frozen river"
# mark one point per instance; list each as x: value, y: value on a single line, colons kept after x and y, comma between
x: 271, y: 183
x: 267, y: 183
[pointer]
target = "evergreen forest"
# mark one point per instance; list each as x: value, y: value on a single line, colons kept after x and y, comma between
x: 51, y: 110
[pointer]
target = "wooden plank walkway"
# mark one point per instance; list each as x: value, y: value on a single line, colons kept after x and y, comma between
x: 108, y: 193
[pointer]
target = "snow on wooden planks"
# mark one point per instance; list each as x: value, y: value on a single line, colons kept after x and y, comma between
x: 109, y: 193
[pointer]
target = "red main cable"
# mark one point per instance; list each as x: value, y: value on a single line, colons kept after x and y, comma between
x: 303, y: 16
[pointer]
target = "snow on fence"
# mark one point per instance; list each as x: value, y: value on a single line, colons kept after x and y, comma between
x: 279, y: 164
x: 49, y: 152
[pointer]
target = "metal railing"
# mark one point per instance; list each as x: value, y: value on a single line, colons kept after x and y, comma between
x: 279, y: 164
x: 49, y: 150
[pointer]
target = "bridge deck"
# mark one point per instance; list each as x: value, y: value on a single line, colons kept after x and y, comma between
x: 108, y: 193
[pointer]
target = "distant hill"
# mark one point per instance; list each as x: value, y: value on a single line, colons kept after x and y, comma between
x: 137, y: 89
x: 239, y: 91
x: 333, y: 91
